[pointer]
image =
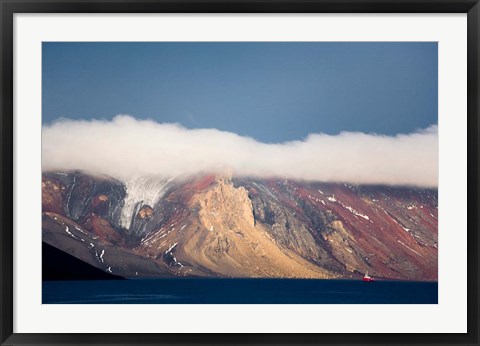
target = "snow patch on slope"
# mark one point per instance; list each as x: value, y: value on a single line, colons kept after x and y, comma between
x: 146, y: 190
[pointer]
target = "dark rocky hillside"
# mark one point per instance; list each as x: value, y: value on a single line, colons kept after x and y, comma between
x: 57, y: 265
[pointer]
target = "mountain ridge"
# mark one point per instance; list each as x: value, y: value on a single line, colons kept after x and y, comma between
x: 226, y: 226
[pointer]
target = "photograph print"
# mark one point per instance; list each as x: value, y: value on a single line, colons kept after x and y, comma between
x: 240, y: 173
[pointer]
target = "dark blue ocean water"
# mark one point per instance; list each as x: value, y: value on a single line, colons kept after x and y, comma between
x: 238, y: 291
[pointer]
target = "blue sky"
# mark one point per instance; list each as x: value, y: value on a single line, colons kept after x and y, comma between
x: 273, y: 92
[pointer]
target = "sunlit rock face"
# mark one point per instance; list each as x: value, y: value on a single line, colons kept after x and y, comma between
x: 228, y: 226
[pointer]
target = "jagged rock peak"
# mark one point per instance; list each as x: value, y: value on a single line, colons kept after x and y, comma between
x: 225, y: 206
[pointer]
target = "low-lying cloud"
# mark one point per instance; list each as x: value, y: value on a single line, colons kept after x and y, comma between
x: 126, y: 147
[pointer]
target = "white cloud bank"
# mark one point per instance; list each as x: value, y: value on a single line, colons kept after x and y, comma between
x: 126, y: 147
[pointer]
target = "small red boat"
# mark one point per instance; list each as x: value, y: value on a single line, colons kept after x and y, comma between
x: 367, y: 278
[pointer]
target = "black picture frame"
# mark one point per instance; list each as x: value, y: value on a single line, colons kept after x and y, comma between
x: 10, y: 7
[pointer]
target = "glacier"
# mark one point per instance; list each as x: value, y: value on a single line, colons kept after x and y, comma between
x: 144, y: 190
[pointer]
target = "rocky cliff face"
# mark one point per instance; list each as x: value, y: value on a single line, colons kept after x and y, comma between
x: 242, y: 227
x: 390, y: 232
x: 77, y: 195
